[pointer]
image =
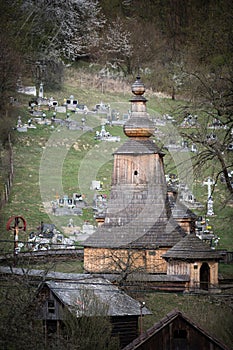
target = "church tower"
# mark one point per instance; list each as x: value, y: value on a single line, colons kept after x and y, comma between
x: 138, y: 227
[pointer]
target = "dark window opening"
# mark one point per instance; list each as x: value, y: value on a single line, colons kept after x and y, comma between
x: 135, y: 172
x: 51, y: 306
x: 51, y: 327
x: 152, y: 252
x: 180, y: 334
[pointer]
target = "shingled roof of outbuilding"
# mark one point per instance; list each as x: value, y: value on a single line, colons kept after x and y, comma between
x: 118, y: 302
x: 139, y: 146
x: 191, y: 247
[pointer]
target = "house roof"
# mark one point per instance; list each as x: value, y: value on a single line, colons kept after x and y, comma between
x: 169, y: 318
x: 191, y: 247
x: 72, y: 294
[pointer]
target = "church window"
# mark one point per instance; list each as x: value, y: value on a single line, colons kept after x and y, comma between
x: 152, y: 252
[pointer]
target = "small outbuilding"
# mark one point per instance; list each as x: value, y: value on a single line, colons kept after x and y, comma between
x: 193, y: 257
x: 90, y: 297
x: 176, y: 331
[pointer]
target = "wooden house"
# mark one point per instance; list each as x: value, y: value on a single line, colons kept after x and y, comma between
x: 193, y: 257
x: 176, y: 331
x: 89, y: 296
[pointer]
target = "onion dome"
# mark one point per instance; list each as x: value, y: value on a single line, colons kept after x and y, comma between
x: 138, y: 88
x: 139, y: 125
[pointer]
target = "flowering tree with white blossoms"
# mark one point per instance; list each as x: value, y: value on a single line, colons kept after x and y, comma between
x: 63, y: 29
x: 118, y: 47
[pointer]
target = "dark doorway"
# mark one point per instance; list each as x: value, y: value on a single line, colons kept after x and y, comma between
x: 204, y: 276
x: 180, y: 339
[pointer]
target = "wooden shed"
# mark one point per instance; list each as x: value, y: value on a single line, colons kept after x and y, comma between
x: 176, y: 331
x: 191, y: 256
x: 89, y: 296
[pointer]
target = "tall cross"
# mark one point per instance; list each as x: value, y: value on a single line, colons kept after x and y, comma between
x: 209, y: 182
x: 210, y: 211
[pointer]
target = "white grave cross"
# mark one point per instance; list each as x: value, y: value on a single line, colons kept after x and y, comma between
x: 210, y: 211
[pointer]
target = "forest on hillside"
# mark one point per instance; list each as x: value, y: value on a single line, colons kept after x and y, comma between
x: 168, y: 39
x: 182, y: 48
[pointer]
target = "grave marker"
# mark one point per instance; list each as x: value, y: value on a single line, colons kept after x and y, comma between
x: 210, y: 210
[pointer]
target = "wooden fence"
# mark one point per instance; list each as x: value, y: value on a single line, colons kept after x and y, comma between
x: 8, y: 181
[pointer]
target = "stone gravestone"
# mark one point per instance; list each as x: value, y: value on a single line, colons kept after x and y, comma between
x: 41, y: 91
x: 60, y: 109
x: 95, y: 185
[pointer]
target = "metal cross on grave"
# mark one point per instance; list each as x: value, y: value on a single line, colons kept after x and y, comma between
x: 210, y: 210
x: 16, y: 224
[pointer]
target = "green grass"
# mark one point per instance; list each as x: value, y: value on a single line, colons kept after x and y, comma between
x: 209, y: 312
x: 81, y: 157
x: 226, y: 270
x: 70, y: 266
x: 75, y: 161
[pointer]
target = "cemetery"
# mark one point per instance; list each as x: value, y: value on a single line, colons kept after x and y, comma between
x: 68, y: 205
x: 104, y: 135
x: 75, y: 231
x: 116, y: 177
x: 47, y: 237
x: 73, y: 205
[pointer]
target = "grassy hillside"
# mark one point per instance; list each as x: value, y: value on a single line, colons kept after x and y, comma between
x: 52, y: 161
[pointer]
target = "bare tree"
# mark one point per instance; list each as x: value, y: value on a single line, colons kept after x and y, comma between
x: 211, y: 101
x: 87, y: 326
x: 17, y: 327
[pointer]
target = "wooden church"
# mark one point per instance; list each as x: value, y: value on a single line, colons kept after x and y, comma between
x: 138, y: 227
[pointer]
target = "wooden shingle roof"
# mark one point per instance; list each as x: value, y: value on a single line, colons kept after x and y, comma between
x: 160, y: 234
x: 139, y: 146
x: 179, y: 210
x: 191, y: 247
x: 138, y: 212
